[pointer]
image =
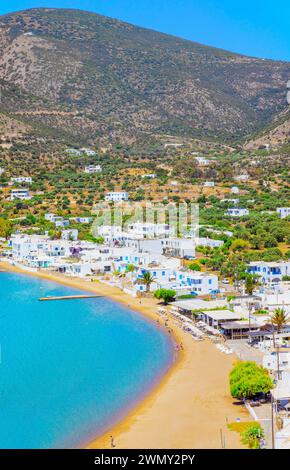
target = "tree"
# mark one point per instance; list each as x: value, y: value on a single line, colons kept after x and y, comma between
x: 248, y: 379
x: 279, y: 319
x: 167, y: 295
x: 147, y: 279
x: 250, y: 283
x: 252, y: 435
x: 5, y: 228
x: 194, y: 267
x: 239, y: 245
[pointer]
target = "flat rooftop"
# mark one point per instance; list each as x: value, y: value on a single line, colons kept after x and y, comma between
x: 220, y: 315
x: 199, y: 304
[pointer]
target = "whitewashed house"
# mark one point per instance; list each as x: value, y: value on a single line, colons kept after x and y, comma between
x: 22, y: 194
x: 149, y: 175
x: 179, y: 247
x: 210, y: 242
x: 199, y: 283
x: 166, y: 277
x: 57, y: 220
x: 22, y: 179
x: 202, y: 161
x: 110, y: 232
x: 283, y: 212
x: 150, y: 230
x: 90, y: 169
x: 237, y: 212
x: 61, y: 222
x: 171, y: 247
x: 270, y: 272
x: 22, y: 246
x: 270, y: 361
x: 242, y: 178
x: 50, y: 217
x: 70, y: 234
x: 209, y: 184
x: 235, y: 190
x: 83, y: 269
x: 84, y: 220
x: 73, y: 152
x: 231, y: 201
x: 117, y: 196
x: 88, y: 152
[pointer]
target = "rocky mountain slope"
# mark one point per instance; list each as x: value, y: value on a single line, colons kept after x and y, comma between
x: 275, y: 135
x: 84, y: 76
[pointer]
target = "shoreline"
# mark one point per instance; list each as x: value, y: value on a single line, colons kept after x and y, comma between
x: 180, y: 409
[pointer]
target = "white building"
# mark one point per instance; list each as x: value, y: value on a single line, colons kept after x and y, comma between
x: 150, y: 176
x: 231, y: 201
x: 117, y: 196
x: 202, y: 161
x: 150, y: 230
x: 22, y: 194
x: 57, y: 220
x: 22, y: 179
x: 283, y: 212
x: 269, y: 272
x: 50, y: 217
x: 23, y: 245
x: 270, y: 361
x: 169, y: 275
x: 210, y: 242
x: 209, y: 184
x: 88, y: 152
x: 237, y: 212
x: 73, y: 152
x: 70, y: 234
x: 93, y: 169
x: 199, y: 283
x: 84, y: 220
x: 108, y: 232
x: 242, y: 178
x: 235, y: 190
x: 1, y: 171
x: 179, y: 247
x: 61, y: 222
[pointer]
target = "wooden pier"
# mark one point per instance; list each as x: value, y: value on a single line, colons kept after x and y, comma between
x: 70, y: 297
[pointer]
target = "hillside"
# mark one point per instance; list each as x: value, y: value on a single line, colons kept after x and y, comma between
x: 275, y: 135
x: 83, y: 76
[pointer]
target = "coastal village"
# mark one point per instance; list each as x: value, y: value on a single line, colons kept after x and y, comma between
x: 144, y: 235
x: 224, y: 278
x: 246, y: 319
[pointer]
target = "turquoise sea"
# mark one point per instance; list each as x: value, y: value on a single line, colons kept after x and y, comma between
x: 69, y: 369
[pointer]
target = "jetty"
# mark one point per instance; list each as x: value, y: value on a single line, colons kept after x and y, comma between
x: 70, y: 297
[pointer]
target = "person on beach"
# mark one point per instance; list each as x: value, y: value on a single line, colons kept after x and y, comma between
x: 113, y: 445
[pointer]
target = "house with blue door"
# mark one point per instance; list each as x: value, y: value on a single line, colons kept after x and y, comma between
x: 270, y: 272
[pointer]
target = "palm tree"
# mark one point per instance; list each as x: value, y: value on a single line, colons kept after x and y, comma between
x: 147, y: 279
x: 130, y: 268
x: 279, y: 320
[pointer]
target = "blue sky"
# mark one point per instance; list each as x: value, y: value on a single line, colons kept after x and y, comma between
x: 253, y: 27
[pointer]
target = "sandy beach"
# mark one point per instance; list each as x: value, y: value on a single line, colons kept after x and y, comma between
x: 191, y: 405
